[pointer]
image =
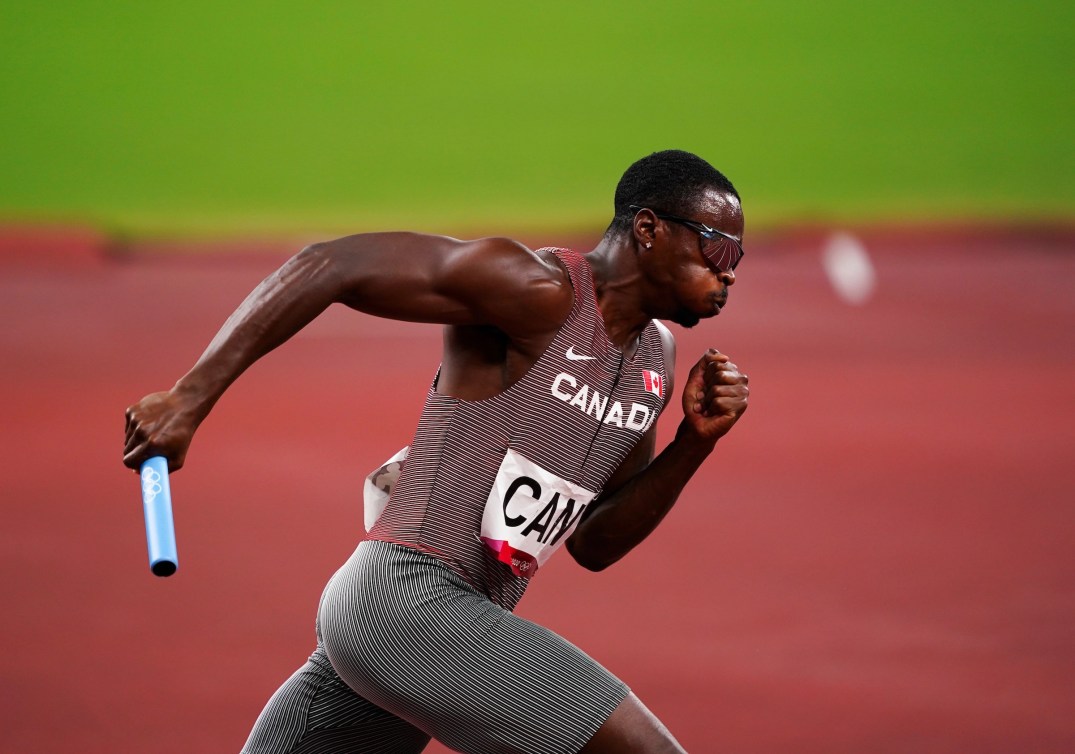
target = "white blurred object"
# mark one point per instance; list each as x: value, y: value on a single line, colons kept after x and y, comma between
x: 849, y: 268
x: 378, y: 487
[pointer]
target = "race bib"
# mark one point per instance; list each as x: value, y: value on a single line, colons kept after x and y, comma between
x: 378, y: 487
x: 530, y: 513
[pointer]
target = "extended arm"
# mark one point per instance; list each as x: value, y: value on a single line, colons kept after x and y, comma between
x: 398, y: 275
x: 714, y: 397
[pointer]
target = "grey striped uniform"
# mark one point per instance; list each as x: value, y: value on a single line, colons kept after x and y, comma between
x: 415, y: 633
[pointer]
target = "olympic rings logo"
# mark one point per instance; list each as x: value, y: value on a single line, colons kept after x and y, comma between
x: 151, y: 485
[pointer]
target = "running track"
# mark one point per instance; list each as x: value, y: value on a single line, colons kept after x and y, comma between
x: 880, y: 558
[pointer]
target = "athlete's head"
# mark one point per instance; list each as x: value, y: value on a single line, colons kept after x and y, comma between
x: 671, y: 181
x: 683, y: 220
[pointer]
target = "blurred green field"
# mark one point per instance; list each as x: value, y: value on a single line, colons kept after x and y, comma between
x: 210, y: 117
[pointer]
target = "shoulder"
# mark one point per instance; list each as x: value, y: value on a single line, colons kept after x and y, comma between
x: 509, y: 260
x: 521, y: 290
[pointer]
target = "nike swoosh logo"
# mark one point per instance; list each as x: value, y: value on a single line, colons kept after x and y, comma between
x: 572, y: 356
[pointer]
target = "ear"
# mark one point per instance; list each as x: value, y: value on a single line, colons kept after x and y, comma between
x: 644, y: 228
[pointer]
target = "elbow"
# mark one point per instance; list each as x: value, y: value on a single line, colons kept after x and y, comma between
x: 342, y: 269
x: 318, y: 266
x: 595, y: 566
x: 319, y: 253
x: 586, y: 558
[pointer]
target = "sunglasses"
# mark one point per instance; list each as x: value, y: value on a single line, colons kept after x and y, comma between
x: 721, y: 250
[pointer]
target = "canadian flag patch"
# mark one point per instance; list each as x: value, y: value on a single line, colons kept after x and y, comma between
x: 654, y: 383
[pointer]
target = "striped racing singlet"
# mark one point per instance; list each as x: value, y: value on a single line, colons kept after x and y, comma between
x: 493, y: 486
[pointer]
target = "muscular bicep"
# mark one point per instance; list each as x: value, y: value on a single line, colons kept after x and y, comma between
x: 422, y: 278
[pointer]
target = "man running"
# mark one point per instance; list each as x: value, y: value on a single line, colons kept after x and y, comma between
x: 538, y: 431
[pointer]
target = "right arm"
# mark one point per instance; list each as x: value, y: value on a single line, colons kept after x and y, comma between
x: 404, y: 276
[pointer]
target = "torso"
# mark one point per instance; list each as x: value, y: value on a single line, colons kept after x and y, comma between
x: 514, y: 462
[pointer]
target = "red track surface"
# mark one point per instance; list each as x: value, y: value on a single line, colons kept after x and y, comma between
x: 880, y: 558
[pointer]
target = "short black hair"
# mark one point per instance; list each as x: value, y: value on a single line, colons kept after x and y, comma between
x: 669, y: 181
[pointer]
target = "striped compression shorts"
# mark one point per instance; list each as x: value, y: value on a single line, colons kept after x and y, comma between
x: 406, y: 649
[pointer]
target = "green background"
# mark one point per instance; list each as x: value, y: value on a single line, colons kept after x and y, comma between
x: 213, y: 117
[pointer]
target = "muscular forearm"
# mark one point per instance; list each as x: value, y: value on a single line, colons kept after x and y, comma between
x: 624, y: 519
x: 279, y: 307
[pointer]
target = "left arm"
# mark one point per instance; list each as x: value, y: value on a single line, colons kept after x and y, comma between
x: 641, y: 493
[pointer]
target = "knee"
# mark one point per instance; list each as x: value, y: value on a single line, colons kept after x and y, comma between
x: 632, y: 729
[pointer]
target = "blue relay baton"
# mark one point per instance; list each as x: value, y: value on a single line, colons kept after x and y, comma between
x: 157, y: 502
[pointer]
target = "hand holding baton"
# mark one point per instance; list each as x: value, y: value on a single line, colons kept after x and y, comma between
x: 157, y: 504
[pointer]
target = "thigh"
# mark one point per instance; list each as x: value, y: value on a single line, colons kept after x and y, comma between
x: 315, y: 712
x: 420, y: 643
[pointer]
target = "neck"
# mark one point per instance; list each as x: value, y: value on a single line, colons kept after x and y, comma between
x: 618, y: 284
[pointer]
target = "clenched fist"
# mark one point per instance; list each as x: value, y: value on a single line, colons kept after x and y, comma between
x: 161, y: 424
x: 715, y: 396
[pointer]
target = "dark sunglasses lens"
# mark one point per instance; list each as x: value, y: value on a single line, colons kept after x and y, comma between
x: 723, y: 253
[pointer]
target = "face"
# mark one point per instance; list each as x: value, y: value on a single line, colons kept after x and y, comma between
x: 693, y: 289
